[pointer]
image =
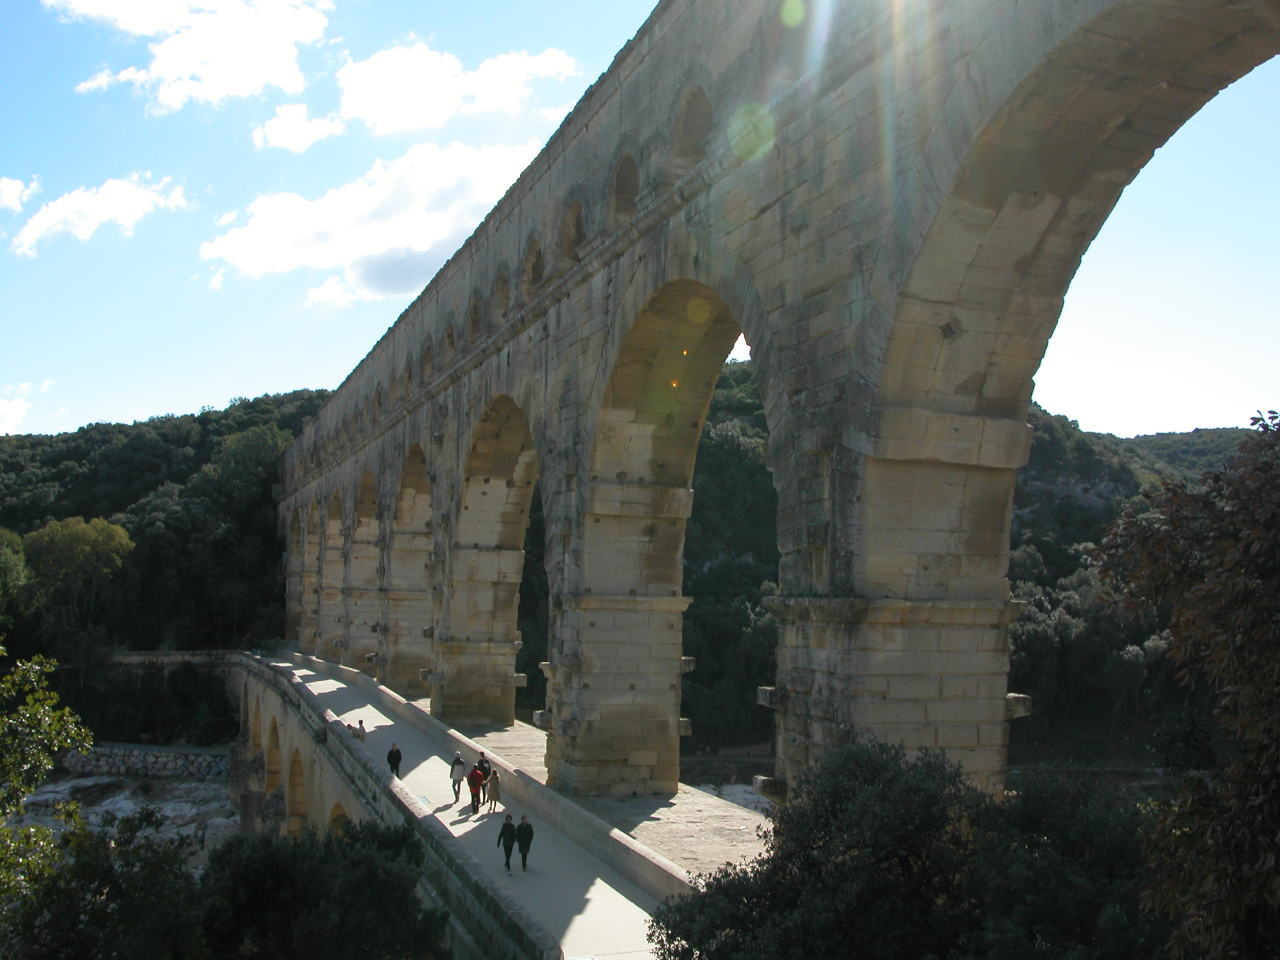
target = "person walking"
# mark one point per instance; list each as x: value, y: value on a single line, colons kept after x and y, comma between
x: 507, y: 840
x: 493, y: 791
x: 475, y: 780
x: 524, y: 839
x: 361, y: 732
x: 393, y: 760
x: 486, y: 768
x: 457, y: 773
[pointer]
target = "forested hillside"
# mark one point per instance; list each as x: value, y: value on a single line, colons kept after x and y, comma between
x: 184, y: 530
x: 183, y: 552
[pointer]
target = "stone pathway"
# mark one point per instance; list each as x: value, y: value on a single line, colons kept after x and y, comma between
x: 695, y: 828
x: 588, y: 906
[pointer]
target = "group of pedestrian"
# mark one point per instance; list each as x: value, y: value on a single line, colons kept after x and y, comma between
x: 483, y: 782
x: 485, y: 786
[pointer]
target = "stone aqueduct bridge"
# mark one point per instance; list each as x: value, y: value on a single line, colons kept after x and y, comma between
x: 889, y: 200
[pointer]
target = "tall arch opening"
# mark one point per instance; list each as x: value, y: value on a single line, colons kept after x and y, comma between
x: 364, y: 578
x: 474, y: 680
x: 412, y: 595
x: 296, y: 798
x: 309, y: 579
x: 273, y: 761
x: 692, y: 132
x: 338, y: 818
x: 614, y: 675
x: 330, y: 615
x: 293, y: 579
x: 977, y: 305
x: 255, y: 728
x: 626, y: 190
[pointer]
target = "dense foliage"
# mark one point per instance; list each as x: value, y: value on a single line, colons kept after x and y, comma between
x: 131, y: 705
x: 34, y: 729
x: 124, y: 891
x: 1209, y: 557
x: 192, y: 496
x: 875, y: 855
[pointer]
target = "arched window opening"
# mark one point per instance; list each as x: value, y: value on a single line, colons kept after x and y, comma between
x: 626, y: 188
x: 501, y: 297
x: 535, y: 269
x: 573, y: 231
x: 692, y: 132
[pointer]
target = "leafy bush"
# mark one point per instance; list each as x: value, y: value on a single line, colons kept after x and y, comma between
x: 877, y: 855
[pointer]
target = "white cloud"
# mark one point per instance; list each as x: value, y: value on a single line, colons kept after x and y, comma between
x: 14, y: 407
x: 12, y: 413
x: 403, y: 89
x: 82, y: 211
x: 228, y: 218
x: 292, y: 129
x: 45, y: 384
x: 207, y: 50
x: 215, y: 282
x: 385, y: 233
x: 14, y: 193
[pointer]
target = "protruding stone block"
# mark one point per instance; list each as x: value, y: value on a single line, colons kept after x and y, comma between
x: 1016, y: 705
x: 770, y: 787
x: 770, y: 697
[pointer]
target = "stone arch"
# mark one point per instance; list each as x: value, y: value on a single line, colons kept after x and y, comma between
x: 330, y: 615
x: 412, y: 595
x: 573, y: 230
x: 272, y: 759
x: 1026, y: 179
x: 624, y: 191
x: 692, y: 132
x: 295, y: 797
x: 615, y: 718
x: 309, y: 579
x: 501, y: 301
x: 474, y: 680
x: 475, y: 318
x: 533, y: 269
x: 294, y: 565
x: 338, y: 818
x: 364, y: 578
x: 255, y: 727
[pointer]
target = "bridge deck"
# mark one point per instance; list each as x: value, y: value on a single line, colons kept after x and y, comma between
x: 592, y: 909
x: 695, y: 829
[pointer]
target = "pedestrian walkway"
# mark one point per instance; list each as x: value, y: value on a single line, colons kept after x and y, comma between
x: 695, y: 829
x: 586, y: 904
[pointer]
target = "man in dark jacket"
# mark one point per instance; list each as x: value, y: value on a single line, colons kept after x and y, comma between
x: 507, y: 840
x: 393, y: 760
x: 524, y: 839
x: 486, y: 768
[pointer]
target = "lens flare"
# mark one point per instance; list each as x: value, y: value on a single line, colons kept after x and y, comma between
x: 792, y: 13
x: 698, y: 310
x: 752, y: 130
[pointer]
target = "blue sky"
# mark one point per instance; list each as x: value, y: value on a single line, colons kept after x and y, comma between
x: 203, y: 200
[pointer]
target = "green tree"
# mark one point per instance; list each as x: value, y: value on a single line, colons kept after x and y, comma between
x: 1209, y: 555
x: 72, y: 564
x: 119, y: 890
x: 321, y: 897
x: 866, y: 859
x: 876, y: 855
x: 34, y: 728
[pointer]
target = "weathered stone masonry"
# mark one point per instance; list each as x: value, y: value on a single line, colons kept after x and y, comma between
x: 889, y: 200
